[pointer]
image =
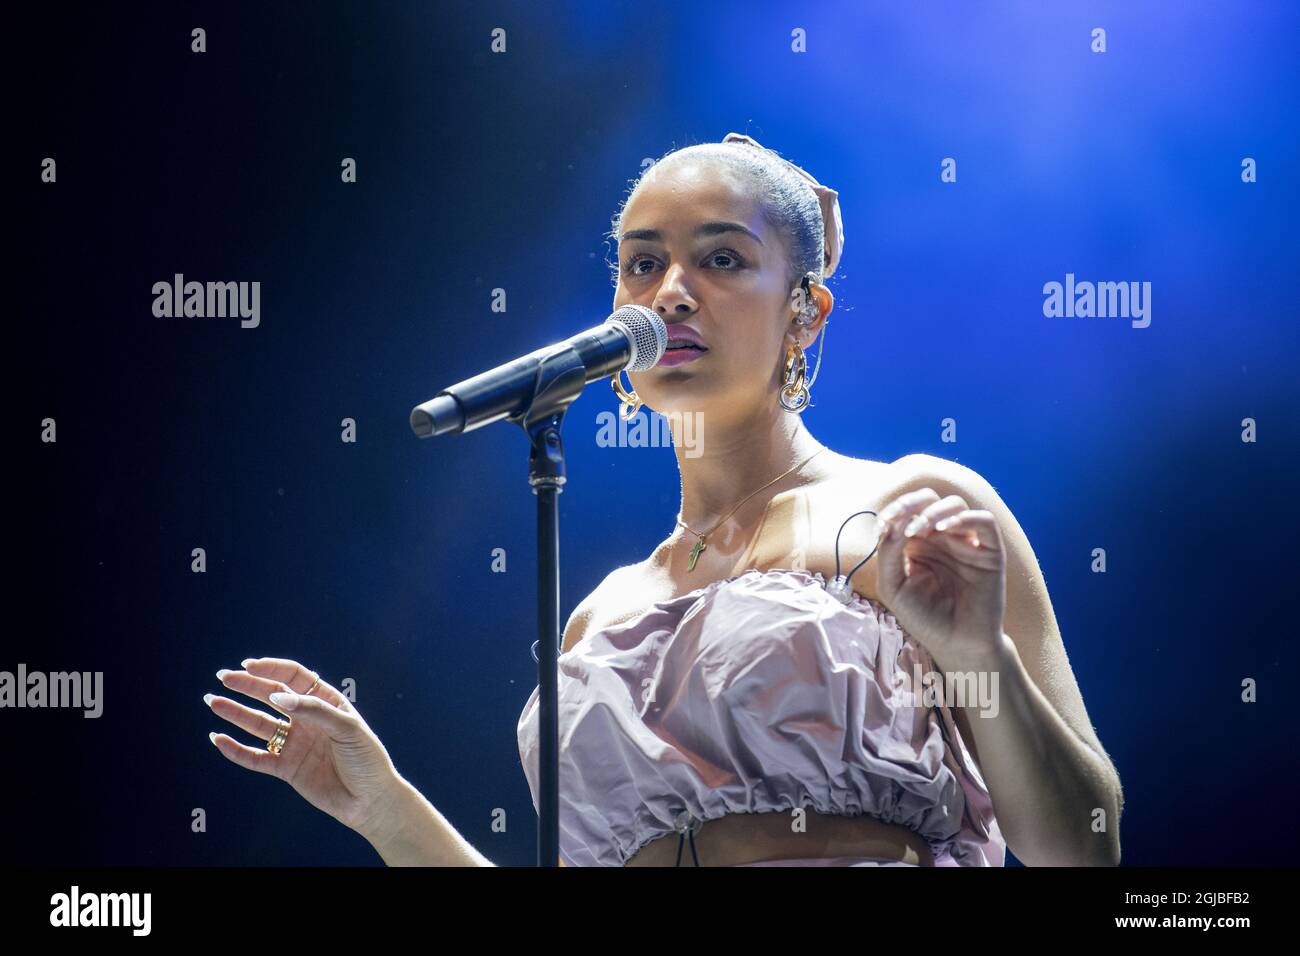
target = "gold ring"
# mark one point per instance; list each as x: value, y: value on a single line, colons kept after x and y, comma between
x: 312, y: 687
x: 277, y: 741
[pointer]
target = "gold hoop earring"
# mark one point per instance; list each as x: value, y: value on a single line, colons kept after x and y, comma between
x: 794, y: 394
x: 630, y: 402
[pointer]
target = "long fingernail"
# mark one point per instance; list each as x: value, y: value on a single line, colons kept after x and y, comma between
x: 221, y: 674
x: 208, y: 699
x: 213, y: 738
x: 913, y: 526
x: 246, y: 661
x: 287, y: 701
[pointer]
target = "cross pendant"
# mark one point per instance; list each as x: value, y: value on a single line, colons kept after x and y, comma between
x: 695, y: 553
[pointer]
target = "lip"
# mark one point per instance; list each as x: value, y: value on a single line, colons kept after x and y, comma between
x: 686, y: 333
x: 679, y: 357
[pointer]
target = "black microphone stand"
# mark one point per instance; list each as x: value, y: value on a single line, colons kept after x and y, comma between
x: 560, y: 379
x: 559, y: 375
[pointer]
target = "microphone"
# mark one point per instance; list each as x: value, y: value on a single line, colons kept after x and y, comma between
x: 632, y: 338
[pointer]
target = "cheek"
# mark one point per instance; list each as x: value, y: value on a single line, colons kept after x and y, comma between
x: 623, y: 296
x: 753, y: 356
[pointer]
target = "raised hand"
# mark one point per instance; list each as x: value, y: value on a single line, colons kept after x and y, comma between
x: 330, y: 756
x: 942, y: 573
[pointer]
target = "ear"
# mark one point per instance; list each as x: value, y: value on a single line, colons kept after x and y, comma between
x: 806, y: 334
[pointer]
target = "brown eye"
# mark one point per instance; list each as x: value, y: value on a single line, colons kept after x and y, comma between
x: 630, y: 268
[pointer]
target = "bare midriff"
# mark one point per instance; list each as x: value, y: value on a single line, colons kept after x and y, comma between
x: 739, y: 838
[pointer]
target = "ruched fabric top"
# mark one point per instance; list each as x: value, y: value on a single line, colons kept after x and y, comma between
x: 755, y: 693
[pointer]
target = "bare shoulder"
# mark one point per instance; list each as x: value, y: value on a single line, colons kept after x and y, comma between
x: 841, y: 470
x: 596, y: 607
x: 946, y: 477
x: 850, y: 487
x: 920, y: 470
x: 846, y: 475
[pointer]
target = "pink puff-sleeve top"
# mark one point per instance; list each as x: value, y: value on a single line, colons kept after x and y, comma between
x: 755, y: 693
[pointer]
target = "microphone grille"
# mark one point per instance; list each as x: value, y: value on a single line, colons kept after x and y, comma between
x: 647, y: 332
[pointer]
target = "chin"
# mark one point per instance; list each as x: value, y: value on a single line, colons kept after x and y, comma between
x: 680, y: 400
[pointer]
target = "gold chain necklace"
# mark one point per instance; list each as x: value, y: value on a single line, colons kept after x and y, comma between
x: 700, y: 545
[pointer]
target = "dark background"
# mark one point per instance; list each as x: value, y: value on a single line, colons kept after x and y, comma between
x: 477, y: 170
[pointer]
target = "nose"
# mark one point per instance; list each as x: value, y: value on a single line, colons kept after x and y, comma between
x: 673, y: 294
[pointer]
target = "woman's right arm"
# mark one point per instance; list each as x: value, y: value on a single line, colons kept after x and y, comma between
x: 409, y: 831
x: 335, y: 761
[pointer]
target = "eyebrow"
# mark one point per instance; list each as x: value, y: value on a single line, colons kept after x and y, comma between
x: 704, y: 229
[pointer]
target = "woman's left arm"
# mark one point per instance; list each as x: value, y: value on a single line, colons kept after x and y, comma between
x: 971, y: 591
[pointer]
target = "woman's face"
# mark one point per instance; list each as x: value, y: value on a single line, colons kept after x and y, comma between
x: 727, y: 282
